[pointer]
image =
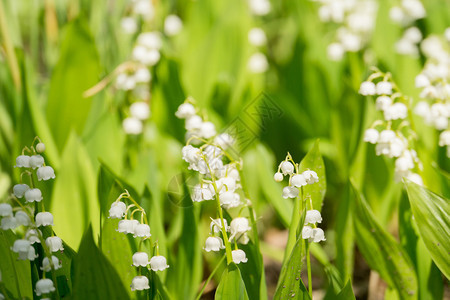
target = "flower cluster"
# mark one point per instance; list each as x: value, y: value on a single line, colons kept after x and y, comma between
x: 30, y: 214
x: 393, y: 136
x: 297, y: 180
x: 408, y: 43
x: 257, y: 62
x: 219, y: 181
x: 128, y: 225
x: 139, y: 11
x: 356, y: 20
x: 434, y: 80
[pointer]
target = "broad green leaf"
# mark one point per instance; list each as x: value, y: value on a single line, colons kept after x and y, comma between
x: 74, y: 200
x: 313, y: 161
x: 231, y: 285
x: 76, y: 71
x: 94, y: 275
x: 346, y: 293
x: 15, y: 273
x: 431, y: 213
x: 251, y: 271
x: 345, y: 232
x: 382, y: 252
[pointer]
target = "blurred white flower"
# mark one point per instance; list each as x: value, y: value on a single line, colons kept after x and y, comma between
x: 257, y: 37
x: 140, y: 110
x: 259, y: 7
x: 22, y: 218
x: 129, y: 25
x: 20, y: 189
x: 5, y: 210
x: 371, y: 135
x: 132, y: 126
x: 172, y: 25
x: 335, y: 51
x: 367, y: 88
x: 257, y: 63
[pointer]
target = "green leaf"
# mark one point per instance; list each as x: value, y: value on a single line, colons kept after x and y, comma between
x: 95, y: 277
x: 431, y: 213
x: 77, y: 70
x: 382, y: 252
x: 231, y: 285
x: 346, y: 293
x: 15, y: 273
x: 313, y: 161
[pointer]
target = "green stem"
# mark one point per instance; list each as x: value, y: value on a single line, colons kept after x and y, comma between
x: 209, y: 278
x: 308, y: 265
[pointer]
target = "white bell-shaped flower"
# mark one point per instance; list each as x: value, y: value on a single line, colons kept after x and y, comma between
x: 257, y: 37
x: 36, y: 161
x: 45, y: 173
x: 40, y: 148
x: 117, y: 210
x: 224, y: 140
x: 185, y: 110
x: 142, y: 230
x: 46, y: 266
x: 287, y: 167
x: 151, y: 40
x: 229, y: 199
x: 258, y: 63
x: 142, y: 75
x: 383, y: 102
x: 158, y: 263
x: 44, y: 219
x: 32, y: 235
x: 140, y: 110
x: 44, y: 286
x: 444, y: 138
x: 384, y: 88
x: 307, y: 232
x: 9, y: 222
x: 54, y: 243
x: 239, y: 226
x: 335, y: 51
x: 127, y: 226
x: 132, y: 125
x: 213, y: 243
x: 139, y: 283
x: 239, y: 256
x: 216, y: 225
x: 318, y: 235
x: 140, y: 259
x: 20, y: 189
x: 23, y: 161
x: 259, y: 7
x: 24, y: 249
x: 386, y: 136
x: 193, y: 123
x: 310, y: 176
x: 22, y: 218
x: 278, y: 177
x: 33, y: 195
x: 202, y: 192
x: 207, y: 130
x: 5, y: 210
x: 371, y: 135
x: 290, y: 192
x: 367, y: 88
x: 172, y: 25
x: 298, y: 180
x: 312, y: 217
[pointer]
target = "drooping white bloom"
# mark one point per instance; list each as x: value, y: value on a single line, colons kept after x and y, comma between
x: 146, y: 56
x: 287, y: 168
x: 229, y: 199
x: 36, y: 161
x: 45, y: 173
x: 421, y: 81
x: 444, y: 138
x: 24, y: 249
x: 5, y: 210
x: 416, y: 178
x: 142, y: 75
x: 32, y: 235
x: 127, y: 226
x: 202, y: 192
x: 139, y: 283
x: 207, y: 130
x: 257, y: 37
x: 193, y: 123
x: 40, y: 148
x: 335, y: 51
x: 117, y: 210
x: 278, y: 177
x: 33, y: 195
x: 406, y: 47
x: 158, y: 263
x: 413, y: 35
x: 216, y: 225
x: 384, y: 88
x: 185, y: 110
x: 23, y: 161
x: 125, y: 82
x: 226, y: 184
x: 44, y: 286
x: 46, y: 267
x: 367, y: 88
x: 259, y: 7
x: 258, y: 63
x: 239, y: 256
x: 54, y: 243
x: 213, y: 243
x: 9, y: 222
x: 298, y: 180
x: 313, y: 216
x: 383, y: 102
x: 140, y: 259
x: 132, y: 126
x: 396, y: 111
x: 307, y: 232
x: 140, y: 110
x: 151, y: 40
x: 22, y: 218
x: 224, y: 140
x: 128, y: 25
x: 290, y: 192
x: 172, y: 25
x: 44, y: 219
x: 371, y: 135
x: 142, y: 230
x: 20, y: 189
x: 318, y: 235
x: 310, y: 176
x: 239, y: 226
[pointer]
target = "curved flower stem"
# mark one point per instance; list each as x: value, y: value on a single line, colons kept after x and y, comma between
x: 209, y: 278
